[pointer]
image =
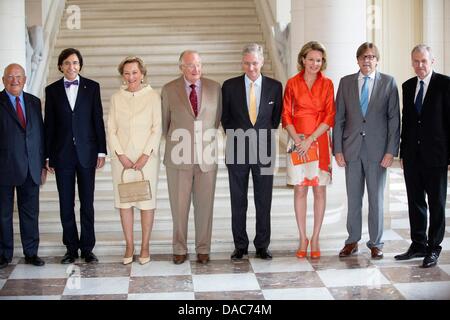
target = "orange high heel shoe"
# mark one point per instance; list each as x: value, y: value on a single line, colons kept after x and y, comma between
x: 300, y: 253
x: 315, y: 254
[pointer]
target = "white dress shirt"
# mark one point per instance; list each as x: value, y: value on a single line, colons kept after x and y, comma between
x: 426, y: 83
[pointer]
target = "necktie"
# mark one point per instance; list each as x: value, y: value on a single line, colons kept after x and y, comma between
x: 67, y: 84
x: 193, y: 99
x: 419, y: 98
x: 20, y: 113
x: 364, y: 99
x: 252, y: 107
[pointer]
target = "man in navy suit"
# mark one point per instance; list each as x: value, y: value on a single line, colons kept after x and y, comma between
x: 425, y: 155
x: 76, y: 147
x: 251, y: 112
x: 22, y: 165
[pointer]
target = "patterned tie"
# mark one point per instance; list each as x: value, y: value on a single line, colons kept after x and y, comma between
x: 419, y: 98
x: 364, y: 100
x: 252, y: 107
x: 67, y: 84
x: 193, y: 99
x: 20, y: 113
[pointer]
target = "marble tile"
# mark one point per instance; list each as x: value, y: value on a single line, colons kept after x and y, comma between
x: 30, y: 298
x: 389, y: 261
x: 225, y: 282
x: 370, y: 277
x: 47, y: 260
x: 281, y: 264
x: 425, y: 290
x: 334, y: 262
x: 404, y: 233
x: 390, y: 235
x: 2, y: 283
x: 49, y: 271
x: 398, y: 207
x: 160, y: 284
x: 395, y: 246
x: 443, y: 267
x: 444, y: 257
x: 384, y: 292
x: 33, y: 287
x: 6, y: 272
x: 97, y: 286
x: 96, y: 297
x: 104, y: 270
x: 166, y: 256
x: 230, y: 295
x: 162, y: 296
x: 222, y: 266
x: 283, y: 280
x: 445, y: 244
x: 298, y: 294
x: 405, y: 274
x: 160, y: 268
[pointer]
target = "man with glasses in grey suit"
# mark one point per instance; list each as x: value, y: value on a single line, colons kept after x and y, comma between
x: 366, y: 139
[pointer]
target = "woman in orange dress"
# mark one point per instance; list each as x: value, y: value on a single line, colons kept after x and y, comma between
x: 308, y: 114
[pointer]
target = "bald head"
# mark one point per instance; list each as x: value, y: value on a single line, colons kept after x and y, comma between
x: 14, y: 79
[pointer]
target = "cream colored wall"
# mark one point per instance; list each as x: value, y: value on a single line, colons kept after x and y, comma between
x: 447, y: 37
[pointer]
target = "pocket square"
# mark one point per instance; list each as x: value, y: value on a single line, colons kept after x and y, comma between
x: 271, y: 102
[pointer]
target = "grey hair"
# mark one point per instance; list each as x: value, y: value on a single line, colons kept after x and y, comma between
x: 422, y: 48
x: 254, y: 48
x: 180, y: 59
x: 14, y: 65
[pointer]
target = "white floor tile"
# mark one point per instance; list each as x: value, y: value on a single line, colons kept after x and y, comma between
x: 2, y: 283
x: 49, y: 271
x: 425, y: 290
x: 160, y: 268
x: 282, y: 264
x: 445, y: 244
x: 391, y: 235
x: 162, y: 296
x: 298, y: 294
x: 400, y: 223
x: 371, y: 277
x: 30, y: 298
x: 445, y: 267
x: 93, y: 286
x: 225, y: 282
x: 395, y: 207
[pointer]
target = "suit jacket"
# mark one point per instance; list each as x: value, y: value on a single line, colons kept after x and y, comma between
x: 187, y: 134
x: 235, y: 116
x: 380, y: 128
x: 83, y: 127
x: 21, y: 149
x: 427, y: 134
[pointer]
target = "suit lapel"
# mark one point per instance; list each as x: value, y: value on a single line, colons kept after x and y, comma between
x: 63, y: 95
x: 374, y: 94
x: 206, y: 98
x: 263, y: 101
x: 6, y: 103
x: 355, y: 92
x: 80, y: 93
x: 28, y: 110
x: 181, y: 90
x: 242, y: 92
x: 429, y: 93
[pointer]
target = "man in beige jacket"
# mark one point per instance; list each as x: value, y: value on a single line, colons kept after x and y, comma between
x: 191, y: 111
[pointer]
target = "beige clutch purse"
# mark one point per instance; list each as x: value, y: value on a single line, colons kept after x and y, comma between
x: 134, y: 191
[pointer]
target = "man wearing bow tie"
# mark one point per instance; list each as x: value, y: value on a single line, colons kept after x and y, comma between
x: 75, y: 147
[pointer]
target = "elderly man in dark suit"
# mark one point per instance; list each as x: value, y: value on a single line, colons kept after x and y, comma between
x: 22, y: 165
x: 425, y: 154
x: 76, y: 147
x: 252, y: 106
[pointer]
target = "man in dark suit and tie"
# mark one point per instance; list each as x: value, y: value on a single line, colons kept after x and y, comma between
x: 251, y: 113
x: 76, y: 147
x: 425, y: 154
x: 22, y: 165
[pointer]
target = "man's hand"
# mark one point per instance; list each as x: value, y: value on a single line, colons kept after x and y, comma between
x: 43, y: 175
x: 100, y: 162
x: 49, y: 169
x: 340, y: 159
x: 387, y: 161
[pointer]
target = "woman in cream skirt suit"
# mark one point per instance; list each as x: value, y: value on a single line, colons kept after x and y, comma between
x: 134, y: 134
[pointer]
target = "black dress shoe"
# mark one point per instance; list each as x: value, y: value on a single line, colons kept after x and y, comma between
x: 3, y: 262
x: 69, y: 257
x: 431, y: 259
x: 89, y: 257
x: 263, y: 254
x: 34, y: 260
x: 411, y: 253
x: 238, y: 254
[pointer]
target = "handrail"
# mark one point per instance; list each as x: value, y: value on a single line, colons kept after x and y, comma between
x: 51, y: 28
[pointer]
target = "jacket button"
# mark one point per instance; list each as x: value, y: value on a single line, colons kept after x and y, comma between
x: 418, y: 141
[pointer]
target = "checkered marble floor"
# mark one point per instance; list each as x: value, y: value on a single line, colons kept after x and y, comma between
x: 283, y: 278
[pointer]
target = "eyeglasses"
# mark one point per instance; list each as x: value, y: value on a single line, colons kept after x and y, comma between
x: 11, y: 78
x: 192, y: 66
x: 367, y: 57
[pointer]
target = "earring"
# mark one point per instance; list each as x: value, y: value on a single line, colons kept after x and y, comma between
x: 124, y: 82
x: 142, y: 80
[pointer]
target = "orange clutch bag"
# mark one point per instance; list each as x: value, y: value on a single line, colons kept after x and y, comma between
x: 311, y: 155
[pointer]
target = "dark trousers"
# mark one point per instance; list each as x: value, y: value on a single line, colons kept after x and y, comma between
x: 432, y: 182
x: 28, y: 207
x: 238, y: 175
x: 65, y: 180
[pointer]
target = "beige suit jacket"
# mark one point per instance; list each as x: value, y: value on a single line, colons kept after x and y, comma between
x: 191, y: 140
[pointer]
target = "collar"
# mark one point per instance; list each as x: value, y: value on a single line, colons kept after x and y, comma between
x: 13, y: 98
x: 77, y: 78
x: 257, y: 82
x: 371, y: 75
x: 426, y: 80
x: 197, y: 83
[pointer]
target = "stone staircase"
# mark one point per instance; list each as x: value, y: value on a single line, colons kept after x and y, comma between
x: 157, y: 31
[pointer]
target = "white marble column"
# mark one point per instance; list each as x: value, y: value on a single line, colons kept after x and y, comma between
x: 340, y: 25
x: 434, y: 30
x: 12, y: 33
x: 447, y: 37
